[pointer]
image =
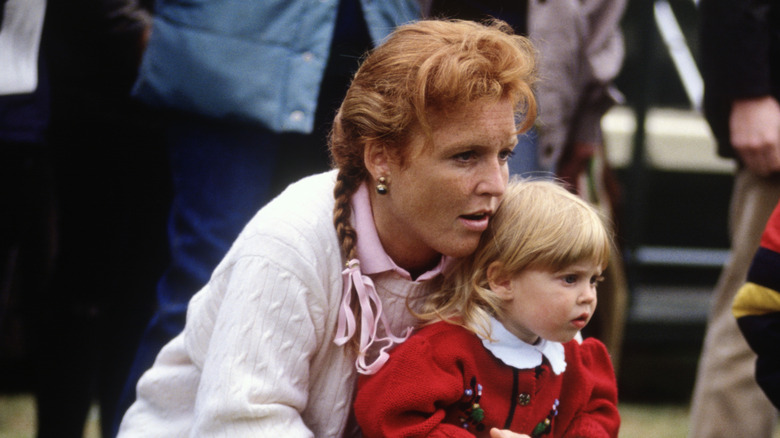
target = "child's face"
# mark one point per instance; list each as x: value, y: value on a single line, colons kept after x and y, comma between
x: 554, y: 305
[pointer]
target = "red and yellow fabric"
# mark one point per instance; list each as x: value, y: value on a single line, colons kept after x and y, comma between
x: 757, y: 309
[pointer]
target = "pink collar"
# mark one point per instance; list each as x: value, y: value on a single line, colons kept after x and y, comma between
x: 372, y: 260
x: 372, y: 255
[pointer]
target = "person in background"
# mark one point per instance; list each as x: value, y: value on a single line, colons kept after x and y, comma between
x: 757, y: 309
x: 741, y: 89
x: 111, y: 188
x: 314, y: 289
x: 498, y: 350
x: 86, y: 180
x: 27, y: 231
x: 581, y: 52
x: 247, y: 92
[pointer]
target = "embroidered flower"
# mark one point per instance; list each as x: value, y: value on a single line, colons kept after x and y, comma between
x: 544, y: 426
x: 471, y: 412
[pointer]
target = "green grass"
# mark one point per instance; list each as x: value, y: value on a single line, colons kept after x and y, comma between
x: 17, y: 419
x: 641, y: 421
x: 17, y: 416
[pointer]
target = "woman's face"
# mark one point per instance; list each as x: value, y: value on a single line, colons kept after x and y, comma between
x: 440, y: 201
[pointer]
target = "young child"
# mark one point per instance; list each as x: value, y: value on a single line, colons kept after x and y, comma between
x: 501, y: 348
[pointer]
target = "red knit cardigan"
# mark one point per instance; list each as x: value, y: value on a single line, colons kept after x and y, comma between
x: 442, y: 382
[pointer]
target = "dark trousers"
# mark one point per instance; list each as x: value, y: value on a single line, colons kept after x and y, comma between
x: 112, y: 193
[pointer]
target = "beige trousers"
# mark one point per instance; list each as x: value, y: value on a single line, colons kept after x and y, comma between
x: 727, y: 402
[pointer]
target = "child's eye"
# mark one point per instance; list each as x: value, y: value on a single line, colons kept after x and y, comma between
x: 571, y: 278
x: 596, y: 279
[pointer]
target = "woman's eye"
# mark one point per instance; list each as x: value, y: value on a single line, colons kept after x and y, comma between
x: 465, y: 156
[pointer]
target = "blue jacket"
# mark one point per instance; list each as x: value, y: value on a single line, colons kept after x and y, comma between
x: 252, y: 61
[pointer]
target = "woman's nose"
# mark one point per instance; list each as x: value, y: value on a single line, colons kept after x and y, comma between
x: 494, y: 179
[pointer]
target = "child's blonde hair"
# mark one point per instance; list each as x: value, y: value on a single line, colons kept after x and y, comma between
x: 539, y: 224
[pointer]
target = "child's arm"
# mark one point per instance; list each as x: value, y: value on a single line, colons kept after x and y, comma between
x: 409, y: 394
x: 594, y: 380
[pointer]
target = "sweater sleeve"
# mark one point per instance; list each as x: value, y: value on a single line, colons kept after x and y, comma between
x: 256, y: 362
x: 256, y: 357
x: 599, y: 416
x: 409, y: 394
x: 241, y: 366
x: 251, y: 335
x: 757, y: 309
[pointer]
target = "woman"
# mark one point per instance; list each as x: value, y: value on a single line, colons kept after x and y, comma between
x: 421, y: 144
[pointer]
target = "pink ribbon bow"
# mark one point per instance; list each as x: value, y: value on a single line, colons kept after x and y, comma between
x: 369, y: 320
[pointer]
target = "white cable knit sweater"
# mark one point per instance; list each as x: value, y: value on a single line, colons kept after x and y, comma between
x: 257, y: 358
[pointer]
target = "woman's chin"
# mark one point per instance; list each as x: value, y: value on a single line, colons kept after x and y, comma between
x: 461, y: 248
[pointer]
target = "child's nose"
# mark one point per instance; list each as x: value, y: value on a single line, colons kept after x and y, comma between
x: 588, y: 295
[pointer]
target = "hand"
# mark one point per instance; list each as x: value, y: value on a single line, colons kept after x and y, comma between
x: 495, y: 433
x: 755, y: 133
x: 574, y: 164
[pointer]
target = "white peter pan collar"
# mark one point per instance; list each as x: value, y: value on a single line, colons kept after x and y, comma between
x: 522, y: 355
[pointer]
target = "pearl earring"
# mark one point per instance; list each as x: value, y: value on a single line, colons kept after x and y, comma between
x: 381, y: 188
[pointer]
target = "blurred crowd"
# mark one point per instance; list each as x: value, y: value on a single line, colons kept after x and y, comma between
x: 134, y: 148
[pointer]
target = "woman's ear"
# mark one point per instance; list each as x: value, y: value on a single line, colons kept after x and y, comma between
x: 377, y: 159
x: 499, y: 281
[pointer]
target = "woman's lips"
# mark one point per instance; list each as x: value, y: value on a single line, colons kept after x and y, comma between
x: 476, y: 222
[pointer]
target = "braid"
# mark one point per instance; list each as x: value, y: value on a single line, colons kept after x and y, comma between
x: 345, y: 188
x: 346, y: 185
